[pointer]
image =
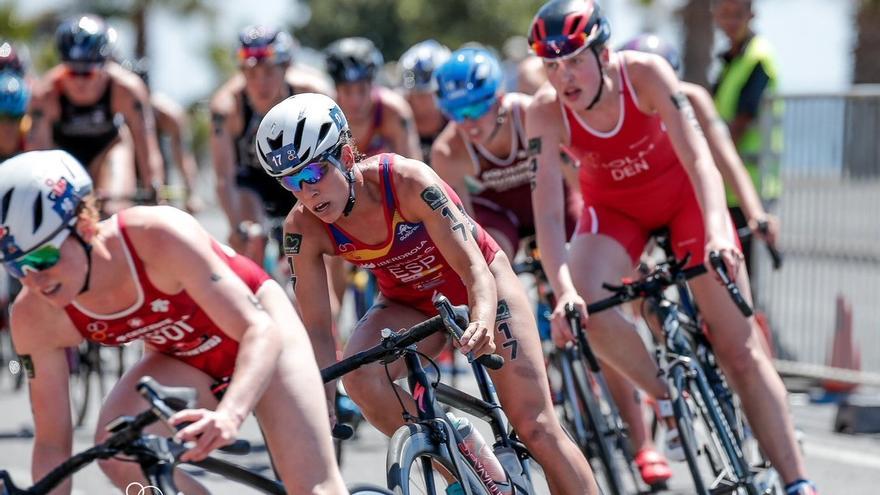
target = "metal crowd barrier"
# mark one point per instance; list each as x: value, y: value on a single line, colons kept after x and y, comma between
x: 829, y: 165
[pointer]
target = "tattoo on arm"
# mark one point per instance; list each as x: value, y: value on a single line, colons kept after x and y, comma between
x: 456, y: 225
x: 215, y: 277
x: 138, y: 106
x: 218, y: 123
x: 37, y: 115
x: 534, y: 146
x: 292, y: 273
x: 434, y: 197
x: 256, y: 302
x: 683, y: 105
x: 533, y: 172
x: 292, y: 243
x: 28, y: 364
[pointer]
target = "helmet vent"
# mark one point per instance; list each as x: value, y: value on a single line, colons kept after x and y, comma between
x: 38, y: 212
x: 298, y: 135
x: 6, y: 199
x: 275, y: 143
x: 322, y: 133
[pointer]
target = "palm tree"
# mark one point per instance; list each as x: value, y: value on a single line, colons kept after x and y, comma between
x: 866, y: 68
x: 696, y: 20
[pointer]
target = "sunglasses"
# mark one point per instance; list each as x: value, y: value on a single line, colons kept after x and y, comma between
x: 251, y: 55
x: 82, y: 69
x: 310, y: 174
x: 9, y: 117
x: 42, y: 258
x: 560, y: 46
x: 473, y: 111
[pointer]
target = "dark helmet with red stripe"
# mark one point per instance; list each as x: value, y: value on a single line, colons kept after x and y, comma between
x: 565, y: 27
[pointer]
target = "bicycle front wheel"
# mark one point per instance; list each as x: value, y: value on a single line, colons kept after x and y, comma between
x: 368, y: 490
x: 416, y: 464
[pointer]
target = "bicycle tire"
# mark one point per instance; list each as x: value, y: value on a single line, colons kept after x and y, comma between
x: 368, y: 490
x: 685, y: 425
x: 414, y: 443
x: 596, y: 421
x: 80, y: 384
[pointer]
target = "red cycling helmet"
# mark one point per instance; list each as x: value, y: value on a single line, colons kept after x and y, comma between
x: 563, y: 28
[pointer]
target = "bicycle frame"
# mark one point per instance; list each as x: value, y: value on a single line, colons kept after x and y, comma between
x: 156, y: 455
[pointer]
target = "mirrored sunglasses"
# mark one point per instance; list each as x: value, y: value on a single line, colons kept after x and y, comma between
x: 560, y: 46
x: 310, y: 174
x: 39, y: 259
x: 470, y: 112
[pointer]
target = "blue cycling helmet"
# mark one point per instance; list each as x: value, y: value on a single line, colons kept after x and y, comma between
x: 85, y: 39
x: 468, y: 84
x: 14, y: 95
x: 651, y: 43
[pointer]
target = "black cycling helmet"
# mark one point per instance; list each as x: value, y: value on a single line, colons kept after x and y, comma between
x: 353, y: 59
x: 651, y: 43
x: 10, y: 60
x: 259, y: 43
x: 563, y: 28
x: 85, y: 39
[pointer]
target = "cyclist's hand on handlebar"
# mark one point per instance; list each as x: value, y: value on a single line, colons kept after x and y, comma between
x: 559, y: 327
x: 766, y: 228
x: 730, y: 254
x: 477, y: 338
x: 208, y: 429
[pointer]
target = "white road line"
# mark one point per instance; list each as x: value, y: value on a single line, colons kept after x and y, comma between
x: 843, y: 456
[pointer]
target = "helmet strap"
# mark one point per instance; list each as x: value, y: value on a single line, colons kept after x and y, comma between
x: 349, y: 205
x: 88, y: 249
x: 601, y: 79
x: 499, y: 121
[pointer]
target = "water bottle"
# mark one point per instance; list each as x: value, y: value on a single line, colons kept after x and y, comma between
x: 478, y: 449
x: 543, y: 318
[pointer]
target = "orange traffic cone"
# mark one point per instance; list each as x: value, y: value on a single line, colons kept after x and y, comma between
x: 844, y: 353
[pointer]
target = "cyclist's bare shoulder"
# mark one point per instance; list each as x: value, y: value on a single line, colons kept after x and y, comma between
x: 544, y: 113
x: 225, y: 98
x: 410, y: 178
x: 449, y: 149
x: 126, y: 83
x: 545, y: 103
x: 521, y: 100
x: 394, y: 103
x: 38, y: 325
x: 159, y: 233
x: 698, y: 95
x: 651, y: 77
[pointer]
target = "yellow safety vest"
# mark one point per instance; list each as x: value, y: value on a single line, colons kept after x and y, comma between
x: 733, y: 78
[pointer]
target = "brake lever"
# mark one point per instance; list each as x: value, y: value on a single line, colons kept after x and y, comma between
x: 455, y: 318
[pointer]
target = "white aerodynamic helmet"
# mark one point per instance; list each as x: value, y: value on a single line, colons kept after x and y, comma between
x: 40, y: 192
x: 301, y: 129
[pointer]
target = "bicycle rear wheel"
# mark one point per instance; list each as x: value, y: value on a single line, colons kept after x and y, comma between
x: 417, y: 465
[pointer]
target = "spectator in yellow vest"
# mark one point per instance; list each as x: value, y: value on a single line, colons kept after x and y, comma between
x: 748, y: 73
